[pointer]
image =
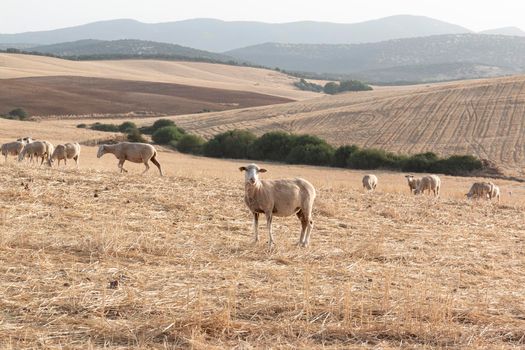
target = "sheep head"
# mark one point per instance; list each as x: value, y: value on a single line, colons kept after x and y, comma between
x: 251, y: 175
x: 101, y: 151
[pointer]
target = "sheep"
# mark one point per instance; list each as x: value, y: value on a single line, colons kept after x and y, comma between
x: 485, y: 190
x: 65, y: 152
x: 38, y: 149
x: 12, y: 148
x: 413, y: 182
x: 133, y: 151
x: 25, y: 140
x: 430, y: 183
x: 370, y: 182
x: 494, y: 192
x: 282, y: 197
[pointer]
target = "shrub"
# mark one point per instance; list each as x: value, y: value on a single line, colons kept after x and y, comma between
x: 18, y: 113
x: 353, y: 85
x: 373, y: 159
x: 306, y: 139
x: 308, y: 86
x: 134, y: 135
x: 190, y: 143
x: 127, y: 127
x: 231, y: 144
x: 342, y: 154
x: 273, y: 145
x: 419, y: 162
x: 457, y: 165
x: 105, y: 127
x: 312, y: 154
x: 331, y: 88
x: 159, y: 123
x: 82, y: 126
x: 167, y: 134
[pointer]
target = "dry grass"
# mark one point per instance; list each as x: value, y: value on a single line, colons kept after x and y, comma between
x: 187, y: 73
x: 93, y: 259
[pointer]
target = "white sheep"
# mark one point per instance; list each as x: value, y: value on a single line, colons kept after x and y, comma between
x: 11, y: 148
x: 65, y: 152
x: 25, y: 140
x: 483, y: 190
x: 37, y: 149
x: 133, y: 151
x: 430, y: 183
x: 413, y: 182
x: 283, y: 197
x: 370, y: 182
x: 494, y: 192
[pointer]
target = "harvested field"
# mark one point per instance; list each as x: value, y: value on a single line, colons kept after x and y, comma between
x: 485, y: 118
x: 66, y: 95
x: 91, y: 258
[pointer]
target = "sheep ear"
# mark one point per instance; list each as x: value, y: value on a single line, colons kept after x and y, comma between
x: 262, y: 170
x: 243, y: 168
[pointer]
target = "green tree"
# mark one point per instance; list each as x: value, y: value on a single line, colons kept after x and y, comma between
x: 190, y: 143
x: 166, y: 134
x: 273, y: 145
x: 331, y: 88
x: 230, y: 144
x: 134, y: 135
x: 18, y: 113
x: 127, y: 127
x: 342, y: 154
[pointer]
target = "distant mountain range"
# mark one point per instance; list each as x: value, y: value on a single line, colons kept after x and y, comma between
x: 489, y: 53
x: 513, y: 31
x: 96, y: 49
x: 218, y: 36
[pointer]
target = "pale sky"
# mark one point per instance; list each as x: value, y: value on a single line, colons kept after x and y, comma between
x: 32, y: 15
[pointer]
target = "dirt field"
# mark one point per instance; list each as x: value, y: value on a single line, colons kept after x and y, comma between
x: 91, y: 258
x: 209, y: 75
x: 66, y: 95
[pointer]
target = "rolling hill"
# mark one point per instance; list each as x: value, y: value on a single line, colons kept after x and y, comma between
x: 198, y: 74
x: 216, y: 35
x: 504, y: 53
x: 513, y: 31
x: 97, y: 49
x: 485, y: 118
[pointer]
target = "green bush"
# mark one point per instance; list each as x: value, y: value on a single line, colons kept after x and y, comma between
x: 82, y: 126
x: 331, y: 88
x: 231, y: 144
x: 420, y: 162
x: 18, y: 113
x: 159, y: 123
x: 373, y: 159
x: 273, y: 145
x: 134, y: 135
x: 167, y: 134
x: 353, y: 85
x: 190, y: 143
x: 308, y: 86
x: 342, y: 154
x: 127, y: 127
x: 312, y: 154
x: 457, y: 165
x: 105, y: 127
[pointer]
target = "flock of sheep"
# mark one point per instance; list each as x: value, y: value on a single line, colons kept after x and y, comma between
x: 282, y: 197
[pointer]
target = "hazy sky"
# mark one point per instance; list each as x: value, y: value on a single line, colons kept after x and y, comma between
x: 29, y: 15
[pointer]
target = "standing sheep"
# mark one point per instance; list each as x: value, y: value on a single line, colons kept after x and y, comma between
x: 65, y: 152
x: 38, y: 149
x: 494, y: 192
x: 133, y: 151
x: 369, y: 182
x: 283, y: 197
x: 413, y: 182
x: 483, y: 190
x: 12, y: 148
x: 429, y: 183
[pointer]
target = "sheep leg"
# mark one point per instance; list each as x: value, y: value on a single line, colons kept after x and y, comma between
x: 256, y: 226
x: 121, y: 165
x: 76, y: 160
x: 310, y: 224
x: 304, y: 224
x: 270, y: 233
x: 147, y: 167
x: 65, y: 161
x: 157, y: 164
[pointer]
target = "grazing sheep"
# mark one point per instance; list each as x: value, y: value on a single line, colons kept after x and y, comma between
x: 65, y: 152
x: 429, y: 183
x: 413, y: 183
x: 370, y: 182
x: 25, y: 140
x: 283, y: 197
x: 37, y: 149
x: 483, y: 190
x: 133, y: 151
x: 12, y: 148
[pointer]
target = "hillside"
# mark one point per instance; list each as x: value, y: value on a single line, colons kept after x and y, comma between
x: 198, y: 74
x: 218, y: 36
x: 91, y: 49
x: 504, y: 53
x: 484, y: 118
x: 513, y: 31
